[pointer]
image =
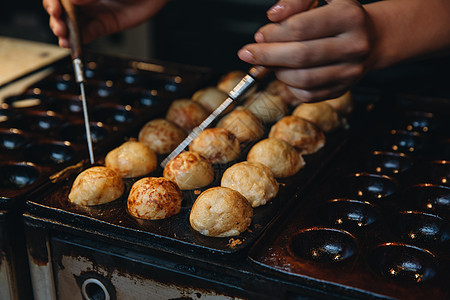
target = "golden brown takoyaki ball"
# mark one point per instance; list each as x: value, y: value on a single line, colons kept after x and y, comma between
x: 96, y: 185
x: 280, y: 89
x: 343, y: 104
x: 218, y: 145
x: 186, y: 113
x: 319, y: 113
x: 229, y: 81
x: 161, y: 135
x: 210, y: 98
x: 189, y: 170
x: 131, y: 159
x: 243, y: 124
x: 253, y: 180
x: 279, y: 156
x: 305, y: 136
x: 154, y: 198
x: 267, y: 107
x: 221, y: 212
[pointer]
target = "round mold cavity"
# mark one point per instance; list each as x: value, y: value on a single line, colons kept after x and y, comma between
x: 438, y: 172
x: 102, y: 89
x: 428, y: 196
x: 369, y: 186
x: 403, y: 263
x: 17, y: 175
x: 147, y: 98
x: 323, y: 245
x: 349, y: 213
x: 61, y: 82
x: 403, y: 141
x: 388, y: 163
x: 49, y: 152
x: 113, y: 114
x: 419, y: 121
x: 12, y: 139
x: 71, y: 105
x: 40, y: 121
x: 418, y: 227
x: 76, y: 132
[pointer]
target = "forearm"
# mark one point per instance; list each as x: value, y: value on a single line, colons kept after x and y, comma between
x: 407, y: 29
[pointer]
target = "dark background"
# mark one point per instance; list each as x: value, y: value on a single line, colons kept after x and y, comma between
x: 209, y: 33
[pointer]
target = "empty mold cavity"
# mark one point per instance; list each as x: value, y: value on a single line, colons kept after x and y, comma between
x: 388, y: 163
x: 349, y: 213
x: 39, y: 121
x: 76, y: 132
x: 428, y: 196
x: 369, y: 186
x: 49, y: 152
x: 12, y: 139
x: 403, y: 263
x: 147, y: 98
x: 403, y: 141
x: 323, y: 245
x: 418, y: 227
x: 419, y: 121
x: 17, y: 175
x: 113, y: 114
x: 66, y: 105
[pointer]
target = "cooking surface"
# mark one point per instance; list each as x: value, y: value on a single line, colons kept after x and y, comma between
x: 353, y: 195
x: 378, y: 220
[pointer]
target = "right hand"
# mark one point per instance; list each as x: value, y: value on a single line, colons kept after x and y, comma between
x: 101, y: 17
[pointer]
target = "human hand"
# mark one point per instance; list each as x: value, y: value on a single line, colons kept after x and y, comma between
x: 101, y: 17
x: 318, y: 53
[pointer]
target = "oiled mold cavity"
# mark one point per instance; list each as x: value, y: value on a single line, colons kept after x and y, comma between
x: 437, y: 172
x: 417, y: 228
x: 388, y: 163
x: 39, y: 121
x: 140, y: 98
x: 349, y: 213
x: 113, y: 114
x: 76, y: 132
x: 17, y: 175
x: 419, y: 121
x: 403, y: 263
x: 12, y: 139
x: 427, y: 196
x: 49, y: 152
x: 369, y: 186
x: 324, y: 245
x: 66, y: 105
x: 402, y: 141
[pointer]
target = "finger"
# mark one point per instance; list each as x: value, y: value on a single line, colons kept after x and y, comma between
x: 319, y: 77
x: 305, y: 54
x: 286, y: 8
x: 52, y: 7
x: 319, y: 94
x: 58, y: 27
x: 325, y: 21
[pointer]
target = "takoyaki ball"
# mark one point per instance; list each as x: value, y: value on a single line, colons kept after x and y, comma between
x: 131, y: 159
x: 189, y: 170
x: 161, y: 135
x: 229, y: 81
x: 210, y: 98
x: 217, y: 145
x: 343, y: 104
x: 319, y: 113
x: 253, y: 180
x: 267, y: 107
x: 96, y: 185
x: 186, y: 113
x: 279, y: 88
x: 279, y: 156
x: 154, y: 198
x: 305, y: 136
x: 243, y: 124
x: 221, y: 212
